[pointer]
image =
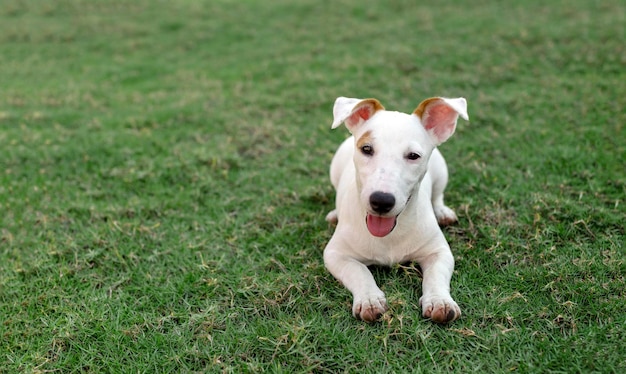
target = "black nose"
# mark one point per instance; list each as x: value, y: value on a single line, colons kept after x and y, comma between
x: 382, y: 202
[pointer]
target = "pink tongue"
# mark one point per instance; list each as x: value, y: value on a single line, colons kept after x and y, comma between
x: 380, y: 226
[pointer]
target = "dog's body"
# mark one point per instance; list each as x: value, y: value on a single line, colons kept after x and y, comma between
x: 390, y: 179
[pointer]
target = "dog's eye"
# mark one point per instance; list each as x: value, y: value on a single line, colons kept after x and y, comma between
x: 413, y: 156
x: 367, y: 150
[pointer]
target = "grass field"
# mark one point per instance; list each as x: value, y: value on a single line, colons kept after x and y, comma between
x: 163, y: 184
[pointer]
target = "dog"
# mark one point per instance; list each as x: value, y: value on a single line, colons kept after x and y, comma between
x: 389, y: 179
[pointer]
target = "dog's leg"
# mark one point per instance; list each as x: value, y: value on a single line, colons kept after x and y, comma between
x: 369, y: 301
x: 439, y: 174
x: 436, y: 302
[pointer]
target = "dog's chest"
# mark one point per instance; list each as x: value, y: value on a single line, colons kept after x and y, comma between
x: 389, y: 250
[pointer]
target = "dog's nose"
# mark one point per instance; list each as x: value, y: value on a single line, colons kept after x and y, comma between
x: 382, y: 202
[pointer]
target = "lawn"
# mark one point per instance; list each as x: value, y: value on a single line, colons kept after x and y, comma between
x: 164, y: 183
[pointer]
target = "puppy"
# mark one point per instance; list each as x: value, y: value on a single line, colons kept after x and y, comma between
x: 389, y: 179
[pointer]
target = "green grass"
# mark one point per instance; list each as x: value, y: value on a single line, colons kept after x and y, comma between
x: 163, y: 184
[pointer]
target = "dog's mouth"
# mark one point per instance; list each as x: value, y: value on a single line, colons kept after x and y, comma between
x: 380, y: 226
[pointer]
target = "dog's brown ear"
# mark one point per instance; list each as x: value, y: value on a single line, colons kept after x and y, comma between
x: 439, y: 115
x: 354, y: 111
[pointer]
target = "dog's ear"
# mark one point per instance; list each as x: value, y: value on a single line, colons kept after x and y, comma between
x: 439, y: 115
x: 354, y: 111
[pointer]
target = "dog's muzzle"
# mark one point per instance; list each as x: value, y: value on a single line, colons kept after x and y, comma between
x: 381, y: 203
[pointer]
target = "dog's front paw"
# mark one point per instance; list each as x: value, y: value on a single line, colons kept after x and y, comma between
x: 370, y: 307
x: 440, y: 309
x: 445, y: 216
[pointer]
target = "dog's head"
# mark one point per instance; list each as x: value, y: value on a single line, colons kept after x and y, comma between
x: 392, y: 151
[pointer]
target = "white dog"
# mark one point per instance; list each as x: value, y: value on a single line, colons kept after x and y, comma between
x: 390, y: 179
